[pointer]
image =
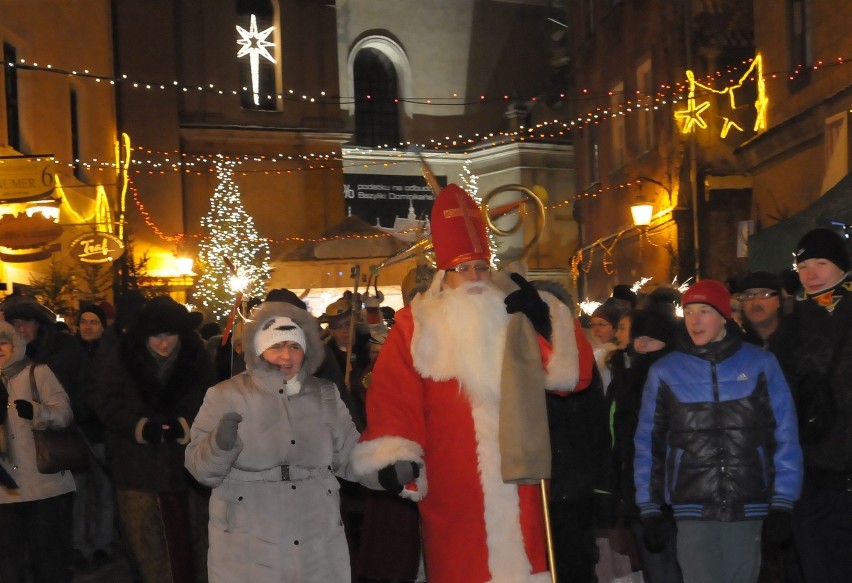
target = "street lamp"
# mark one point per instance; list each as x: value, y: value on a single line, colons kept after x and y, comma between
x: 642, y: 212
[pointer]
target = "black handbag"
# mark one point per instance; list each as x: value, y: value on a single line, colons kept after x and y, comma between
x: 58, y: 450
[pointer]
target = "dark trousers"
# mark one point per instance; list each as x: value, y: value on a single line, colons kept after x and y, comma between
x: 35, y: 538
x: 573, y: 526
x: 822, y: 524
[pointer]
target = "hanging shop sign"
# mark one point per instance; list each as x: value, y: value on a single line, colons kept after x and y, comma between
x: 96, y: 248
x: 380, y: 200
x: 30, y: 255
x: 23, y: 232
x: 25, y: 178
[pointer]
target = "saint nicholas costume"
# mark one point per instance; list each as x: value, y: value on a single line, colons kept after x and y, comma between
x: 435, y: 400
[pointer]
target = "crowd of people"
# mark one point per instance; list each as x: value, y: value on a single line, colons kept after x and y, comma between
x: 485, y: 432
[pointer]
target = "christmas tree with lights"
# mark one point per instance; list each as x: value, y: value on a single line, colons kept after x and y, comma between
x: 230, y: 237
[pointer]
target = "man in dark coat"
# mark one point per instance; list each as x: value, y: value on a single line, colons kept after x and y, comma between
x: 814, y: 346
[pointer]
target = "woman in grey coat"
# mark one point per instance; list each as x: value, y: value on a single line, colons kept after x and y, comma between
x: 270, y: 441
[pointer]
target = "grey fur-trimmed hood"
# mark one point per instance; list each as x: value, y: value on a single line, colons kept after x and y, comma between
x: 314, y: 351
x: 19, y: 348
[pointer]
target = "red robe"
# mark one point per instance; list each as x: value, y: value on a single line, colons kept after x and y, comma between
x: 476, y: 529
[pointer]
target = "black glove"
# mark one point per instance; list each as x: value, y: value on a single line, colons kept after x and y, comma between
x: 152, y: 432
x: 652, y: 533
x: 25, y: 409
x: 606, y: 510
x: 778, y: 526
x: 527, y: 301
x: 393, y: 477
x: 174, y: 431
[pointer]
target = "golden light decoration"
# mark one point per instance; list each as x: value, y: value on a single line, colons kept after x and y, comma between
x: 691, y: 116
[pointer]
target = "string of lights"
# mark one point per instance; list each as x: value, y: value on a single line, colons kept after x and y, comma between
x: 178, y: 237
x: 666, y: 90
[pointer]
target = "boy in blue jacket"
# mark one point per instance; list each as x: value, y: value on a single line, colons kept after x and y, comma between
x: 718, y: 441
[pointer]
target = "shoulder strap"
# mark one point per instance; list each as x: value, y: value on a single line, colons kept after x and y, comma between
x: 33, y: 385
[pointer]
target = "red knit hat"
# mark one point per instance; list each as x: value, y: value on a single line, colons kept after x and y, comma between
x: 710, y: 292
x: 458, y: 229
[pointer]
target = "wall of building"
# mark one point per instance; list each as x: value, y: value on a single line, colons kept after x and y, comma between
x: 55, y: 40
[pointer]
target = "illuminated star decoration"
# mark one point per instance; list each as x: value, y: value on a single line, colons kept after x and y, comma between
x: 692, y: 115
x: 254, y: 45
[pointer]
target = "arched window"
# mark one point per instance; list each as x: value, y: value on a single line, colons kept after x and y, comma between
x: 376, y: 99
x: 256, y: 39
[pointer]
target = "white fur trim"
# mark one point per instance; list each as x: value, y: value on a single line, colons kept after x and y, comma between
x: 563, y: 370
x: 369, y: 457
x: 507, y: 558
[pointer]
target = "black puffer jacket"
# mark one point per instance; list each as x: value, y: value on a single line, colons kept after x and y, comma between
x: 814, y: 347
x: 717, y: 435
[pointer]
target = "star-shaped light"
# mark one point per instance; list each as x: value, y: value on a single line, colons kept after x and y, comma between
x: 254, y: 45
x: 735, y: 118
x: 692, y: 114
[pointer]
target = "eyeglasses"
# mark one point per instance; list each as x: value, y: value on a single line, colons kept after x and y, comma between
x: 764, y: 295
x: 464, y: 269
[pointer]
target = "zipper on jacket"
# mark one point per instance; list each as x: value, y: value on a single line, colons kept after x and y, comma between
x: 716, y: 419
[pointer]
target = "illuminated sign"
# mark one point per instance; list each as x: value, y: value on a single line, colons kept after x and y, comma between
x: 24, y: 179
x: 25, y: 232
x: 96, y: 248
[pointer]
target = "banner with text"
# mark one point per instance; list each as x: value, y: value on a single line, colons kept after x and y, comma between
x: 377, y: 197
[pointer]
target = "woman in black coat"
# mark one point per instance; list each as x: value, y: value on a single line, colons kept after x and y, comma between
x: 150, y: 387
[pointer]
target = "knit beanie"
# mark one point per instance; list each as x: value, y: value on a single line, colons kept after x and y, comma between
x: 823, y: 244
x: 760, y: 280
x: 276, y: 330
x: 710, y: 292
x: 610, y: 311
x: 92, y: 309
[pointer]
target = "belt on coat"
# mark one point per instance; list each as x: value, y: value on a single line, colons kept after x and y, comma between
x: 287, y: 473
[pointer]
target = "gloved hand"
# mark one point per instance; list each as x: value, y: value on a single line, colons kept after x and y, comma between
x: 527, y: 301
x: 393, y: 477
x: 152, y: 432
x: 653, y: 534
x: 25, y: 409
x: 778, y: 526
x: 606, y: 510
x: 173, y: 430
x: 226, y: 433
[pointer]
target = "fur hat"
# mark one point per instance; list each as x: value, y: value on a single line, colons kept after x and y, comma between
x: 458, y: 228
x: 19, y: 307
x: 760, y: 280
x: 163, y: 315
x: 710, y: 292
x: 623, y: 293
x: 282, y: 294
x: 278, y: 329
x: 92, y: 309
x: 657, y: 321
x: 823, y: 244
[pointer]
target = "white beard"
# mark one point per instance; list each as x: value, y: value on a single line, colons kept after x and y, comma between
x: 461, y: 333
